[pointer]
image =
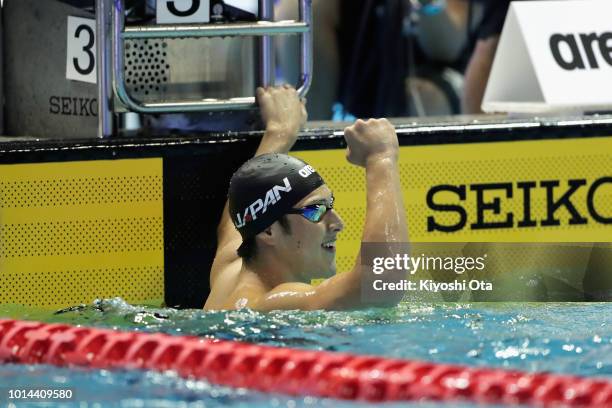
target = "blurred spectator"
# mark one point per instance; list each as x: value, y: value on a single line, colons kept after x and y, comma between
x: 486, y: 37
x: 373, y: 57
x: 381, y: 57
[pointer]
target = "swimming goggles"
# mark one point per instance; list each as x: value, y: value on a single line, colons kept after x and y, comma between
x: 314, y: 212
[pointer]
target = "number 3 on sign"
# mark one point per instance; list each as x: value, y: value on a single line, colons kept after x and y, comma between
x: 183, y: 11
x: 81, y: 60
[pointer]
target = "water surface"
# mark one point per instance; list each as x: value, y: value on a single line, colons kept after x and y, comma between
x: 569, y: 338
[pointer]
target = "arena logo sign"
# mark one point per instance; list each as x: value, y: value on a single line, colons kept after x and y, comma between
x: 490, y: 213
x: 590, y: 42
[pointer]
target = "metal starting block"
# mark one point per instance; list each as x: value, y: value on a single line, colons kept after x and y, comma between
x: 73, y: 68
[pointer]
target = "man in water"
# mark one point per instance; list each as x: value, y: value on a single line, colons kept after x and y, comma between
x: 279, y: 229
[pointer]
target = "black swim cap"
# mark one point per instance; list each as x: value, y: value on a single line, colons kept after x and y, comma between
x: 264, y: 188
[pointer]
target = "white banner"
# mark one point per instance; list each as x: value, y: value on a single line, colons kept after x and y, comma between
x: 553, y: 56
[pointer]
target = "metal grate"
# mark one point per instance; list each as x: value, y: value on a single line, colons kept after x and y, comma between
x: 75, y: 237
x: 79, y: 191
x: 50, y: 287
x: 147, y: 71
x: 72, y: 232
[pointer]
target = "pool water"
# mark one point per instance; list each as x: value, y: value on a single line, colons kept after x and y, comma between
x: 569, y: 338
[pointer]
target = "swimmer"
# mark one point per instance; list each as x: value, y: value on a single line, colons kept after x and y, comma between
x: 279, y: 229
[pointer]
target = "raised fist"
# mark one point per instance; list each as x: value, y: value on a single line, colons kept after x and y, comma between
x: 370, y: 140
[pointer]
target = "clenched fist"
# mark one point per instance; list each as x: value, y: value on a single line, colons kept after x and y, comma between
x: 370, y: 140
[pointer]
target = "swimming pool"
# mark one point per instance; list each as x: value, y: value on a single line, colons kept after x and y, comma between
x: 568, y: 338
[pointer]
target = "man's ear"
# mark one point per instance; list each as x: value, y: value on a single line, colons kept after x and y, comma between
x: 267, y: 236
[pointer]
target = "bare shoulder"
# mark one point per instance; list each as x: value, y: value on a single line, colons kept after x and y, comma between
x: 288, y: 296
x: 223, y: 284
x: 291, y: 287
x: 226, y: 259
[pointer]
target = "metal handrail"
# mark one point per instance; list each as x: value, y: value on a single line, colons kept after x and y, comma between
x: 105, y: 68
x: 232, y: 29
x: 111, y: 64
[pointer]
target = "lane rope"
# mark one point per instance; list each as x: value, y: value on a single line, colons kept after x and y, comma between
x: 292, y: 371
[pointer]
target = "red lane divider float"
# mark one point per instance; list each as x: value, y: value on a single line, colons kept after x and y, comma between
x: 291, y: 371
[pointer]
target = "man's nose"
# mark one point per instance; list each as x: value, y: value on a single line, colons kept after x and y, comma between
x: 335, y: 222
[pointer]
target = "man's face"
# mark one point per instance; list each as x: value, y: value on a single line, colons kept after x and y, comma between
x: 309, y: 247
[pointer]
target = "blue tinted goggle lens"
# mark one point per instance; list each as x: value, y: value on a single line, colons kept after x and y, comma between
x: 314, y: 213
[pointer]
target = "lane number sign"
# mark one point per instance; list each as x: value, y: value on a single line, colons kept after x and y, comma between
x: 81, y: 55
x: 183, y: 11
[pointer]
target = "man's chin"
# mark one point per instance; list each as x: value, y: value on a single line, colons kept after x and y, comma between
x: 330, y: 272
x: 325, y: 272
